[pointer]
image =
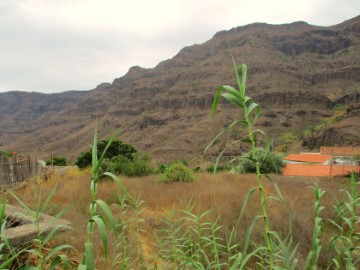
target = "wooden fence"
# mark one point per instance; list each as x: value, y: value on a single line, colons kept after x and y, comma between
x: 18, y: 168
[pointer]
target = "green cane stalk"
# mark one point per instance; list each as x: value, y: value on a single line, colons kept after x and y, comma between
x: 314, y: 253
x: 251, y: 112
x: 346, y: 237
x: 95, y: 219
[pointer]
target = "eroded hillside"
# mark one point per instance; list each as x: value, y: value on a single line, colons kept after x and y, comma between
x: 307, y: 78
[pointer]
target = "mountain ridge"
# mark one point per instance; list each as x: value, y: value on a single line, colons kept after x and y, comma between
x: 298, y: 72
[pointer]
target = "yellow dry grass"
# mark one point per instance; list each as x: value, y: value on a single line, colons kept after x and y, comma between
x: 223, y: 193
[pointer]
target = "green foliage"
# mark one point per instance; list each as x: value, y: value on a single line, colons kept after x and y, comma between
x: 5, y: 153
x: 177, y: 172
x: 162, y: 167
x: 139, y: 165
x: 95, y: 219
x: 251, y: 112
x: 212, y: 168
x: 269, y: 162
x: 308, y: 132
x: 345, y: 240
x: 116, y: 149
x: 57, y: 161
x: 83, y: 160
x: 313, y: 255
x: 43, y: 235
x: 119, y: 158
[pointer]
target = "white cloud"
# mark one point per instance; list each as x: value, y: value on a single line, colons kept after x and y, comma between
x: 57, y: 45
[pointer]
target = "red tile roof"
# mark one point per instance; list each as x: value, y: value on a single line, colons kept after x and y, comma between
x: 318, y: 170
x: 339, y: 151
x: 311, y: 158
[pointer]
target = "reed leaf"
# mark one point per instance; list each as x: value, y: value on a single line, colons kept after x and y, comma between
x: 102, y: 229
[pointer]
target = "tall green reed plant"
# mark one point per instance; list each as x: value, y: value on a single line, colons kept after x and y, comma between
x: 251, y: 112
x: 346, y: 237
x: 316, y: 246
x: 96, y: 219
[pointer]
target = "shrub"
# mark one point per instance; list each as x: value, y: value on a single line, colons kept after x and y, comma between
x: 269, y: 162
x: 116, y: 149
x: 177, y: 172
x: 57, y: 161
x: 139, y: 165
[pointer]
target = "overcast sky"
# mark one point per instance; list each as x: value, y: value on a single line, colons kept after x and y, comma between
x: 58, y: 45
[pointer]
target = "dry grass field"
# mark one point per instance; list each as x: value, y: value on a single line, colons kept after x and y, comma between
x: 222, y: 193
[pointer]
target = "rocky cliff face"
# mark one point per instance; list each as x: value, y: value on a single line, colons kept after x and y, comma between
x: 301, y: 74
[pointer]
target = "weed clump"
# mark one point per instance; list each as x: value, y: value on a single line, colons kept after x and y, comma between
x: 177, y: 172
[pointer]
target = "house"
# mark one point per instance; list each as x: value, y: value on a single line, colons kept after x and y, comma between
x: 308, y: 158
x: 331, y: 161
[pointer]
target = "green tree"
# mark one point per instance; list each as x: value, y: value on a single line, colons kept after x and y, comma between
x: 116, y: 149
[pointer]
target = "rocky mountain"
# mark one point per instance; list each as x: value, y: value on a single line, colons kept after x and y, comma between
x: 307, y: 79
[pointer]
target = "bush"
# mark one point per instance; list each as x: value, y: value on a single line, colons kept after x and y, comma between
x: 139, y: 165
x: 177, y: 172
x: 269, y: 162
x: 57, y: 161
x: 116, y: 149
x: 163, y: 167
